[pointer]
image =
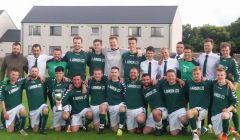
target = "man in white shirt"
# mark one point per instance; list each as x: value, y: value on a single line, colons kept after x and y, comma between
x: 208, y: 60
x: 37, y: 59
x: 167, y: 62
x: 150, y: 66
x: 179, y: 50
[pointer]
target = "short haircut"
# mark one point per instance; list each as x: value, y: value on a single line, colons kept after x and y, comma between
x: 16, y: 44
x: 34, y: 67
x: 221, y: 69
x: 134, y: 68
x: 150, y: 49
x: 171, y: 70
x: 98, y: 69
x: 145, y: 75
x: 15, y: 70
x: 180, y: 42
x: 58, y: 49
x: 36, y: 46
x: 208, y: 40
x: 197, y: 68
x: 225, y: 45
x: 97, y: 40
x: 132, y: 38
x: 78, y: 38
x: 188, y: 47
x: 59, y: 69
x: 114, y: 67
x: 77, y: 74
x: 113, y: 37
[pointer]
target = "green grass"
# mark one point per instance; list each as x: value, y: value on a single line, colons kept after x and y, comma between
x: 92, y: 135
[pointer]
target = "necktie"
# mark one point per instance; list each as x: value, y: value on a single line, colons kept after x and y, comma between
x: 149, y: 68
x: 35, y: 64
x: 178, y: 56
x: 165, y: 68
x: 205, y: 66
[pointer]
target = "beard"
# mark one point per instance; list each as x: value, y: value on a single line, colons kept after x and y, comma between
x: 15, y: 53
x: 34, y: 76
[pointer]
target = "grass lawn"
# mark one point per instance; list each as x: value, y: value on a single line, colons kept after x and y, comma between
x: 92, y: 135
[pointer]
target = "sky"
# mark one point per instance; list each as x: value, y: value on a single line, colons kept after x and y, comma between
x: 194, y: 12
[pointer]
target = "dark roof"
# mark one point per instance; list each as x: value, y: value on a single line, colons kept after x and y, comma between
x: 1, y: 11
x: 101, y: 14
x: 11, y: 35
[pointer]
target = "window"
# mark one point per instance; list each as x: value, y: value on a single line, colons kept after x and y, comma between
x: 34, y: 30
x: 74, y: 30
x: 55, y: 30
x: 51, y: 49
x: 156, y: 32
x: 29, y: 49
x: 134, y: 31
x: 114, y: 31
x: 95, y: 30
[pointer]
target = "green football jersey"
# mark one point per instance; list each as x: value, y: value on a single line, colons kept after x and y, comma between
x: 130, y: 61
x: 153, y: 97
x: 95, y: 61
x: 12, y: 94
x: 54, y: 87
x: 133, y: 96
x: 76, y: 63
x: 231, y: 67
x: 97, y: 91
x: 223, y: 97
x: 115, y: 92
x: 35, y: 91
x: 76, y: 99
x: 52, y: 64
x: 186, y: 68
x: 173, y: 95
x: 198, y: 93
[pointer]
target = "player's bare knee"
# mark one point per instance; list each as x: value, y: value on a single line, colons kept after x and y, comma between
x: 45, y: 110
x: 114, y: 129
x: 184, y: 119
x: 174, y: 132
x: 10, y: 129
x: 103, y: 108
x: 132, y: 131
x: 65, y: 115
x: 122, y: 109
x: 57, y: 129
x: 140, y: 118
x: 234, y: 110
x: 89, y: 114
x: 225, y: 115
x: 147, y: 130
x: 74, y: 130
x: 23, y: 112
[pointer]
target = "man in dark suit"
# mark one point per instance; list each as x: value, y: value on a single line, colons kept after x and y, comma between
x: 179, y: 51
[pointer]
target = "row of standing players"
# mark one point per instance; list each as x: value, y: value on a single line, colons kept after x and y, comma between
x: 132, y: 58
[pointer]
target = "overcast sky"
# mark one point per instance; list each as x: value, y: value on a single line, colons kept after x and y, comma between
x: 195, y: 12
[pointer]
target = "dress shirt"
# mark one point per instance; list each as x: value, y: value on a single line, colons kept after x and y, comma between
x: 154, y: 68
x: 41, y: 63
x: 172, y: 63
x: 212, y: 63
x: 180, y: 56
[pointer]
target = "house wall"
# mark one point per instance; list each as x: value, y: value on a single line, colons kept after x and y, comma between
x: 85, y: 31
x: 5, y: 48
x: 5, y: 23
x: 176, y: 31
